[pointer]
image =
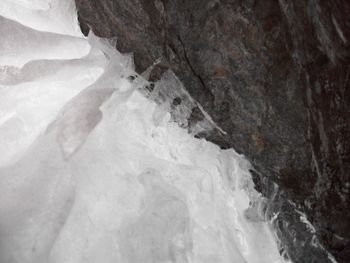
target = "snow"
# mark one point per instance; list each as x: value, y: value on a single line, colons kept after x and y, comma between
x: 93, y: 169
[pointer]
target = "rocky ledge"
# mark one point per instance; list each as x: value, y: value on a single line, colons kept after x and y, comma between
x: 275, y: 76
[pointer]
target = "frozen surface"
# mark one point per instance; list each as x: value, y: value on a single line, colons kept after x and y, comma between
x: 57, y: 16
x: 20, y: 44
x: 92, y: 169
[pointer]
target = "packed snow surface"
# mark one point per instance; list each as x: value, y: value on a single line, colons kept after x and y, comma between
x: 93, y: 170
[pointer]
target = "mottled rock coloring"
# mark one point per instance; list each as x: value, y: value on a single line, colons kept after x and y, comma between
x: 275, y: 76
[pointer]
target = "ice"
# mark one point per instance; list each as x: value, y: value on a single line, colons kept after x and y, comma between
x: 170, y: 93
x: 20, y: 44
x: 32, y: 97
x: 57, y: 16
x: 95, y: 169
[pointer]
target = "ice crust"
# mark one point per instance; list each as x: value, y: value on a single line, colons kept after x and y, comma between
x: 92, y: 169
x: 56, y: 16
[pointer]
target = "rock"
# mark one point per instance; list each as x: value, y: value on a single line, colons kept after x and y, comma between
x: 275, y: 76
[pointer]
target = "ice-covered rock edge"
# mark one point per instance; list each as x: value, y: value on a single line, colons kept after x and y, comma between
x: 78, y: 121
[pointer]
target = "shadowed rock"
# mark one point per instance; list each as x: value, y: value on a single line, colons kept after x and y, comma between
x: 275, y: 76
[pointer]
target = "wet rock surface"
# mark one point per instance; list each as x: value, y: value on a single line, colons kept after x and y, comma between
x: 275, y: 76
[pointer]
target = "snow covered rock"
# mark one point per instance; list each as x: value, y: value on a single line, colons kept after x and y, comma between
x: 95, y: 170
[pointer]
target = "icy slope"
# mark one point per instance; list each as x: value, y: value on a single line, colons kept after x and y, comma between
x: 93, y: 169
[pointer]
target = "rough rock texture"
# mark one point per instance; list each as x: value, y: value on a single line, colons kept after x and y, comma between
x: 275, y: 76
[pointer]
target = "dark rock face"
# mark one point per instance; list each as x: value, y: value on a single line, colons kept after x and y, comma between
x: 275, y: 75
